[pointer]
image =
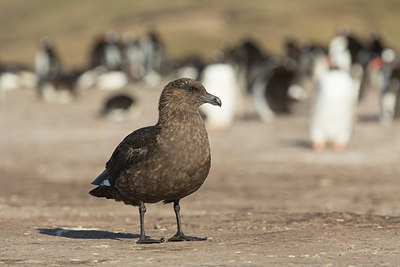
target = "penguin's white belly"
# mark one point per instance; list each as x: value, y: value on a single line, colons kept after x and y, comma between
x: 112, y: 80
x: 334, y: 107
x: 220, y: 80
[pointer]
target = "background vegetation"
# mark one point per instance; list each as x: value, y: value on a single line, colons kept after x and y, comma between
x: 186, y: 25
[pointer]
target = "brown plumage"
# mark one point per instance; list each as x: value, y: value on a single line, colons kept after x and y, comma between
x: 164, y: 162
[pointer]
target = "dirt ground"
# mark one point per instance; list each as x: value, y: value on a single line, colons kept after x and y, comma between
x: 269, y: 199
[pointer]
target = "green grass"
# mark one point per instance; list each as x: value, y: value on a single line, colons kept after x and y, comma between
x: 186, y: 25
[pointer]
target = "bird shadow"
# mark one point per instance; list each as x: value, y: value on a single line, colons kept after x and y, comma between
x: 367, y: 118
x: 250, y: 117
x: 303, y: 144
x: 85, y: 233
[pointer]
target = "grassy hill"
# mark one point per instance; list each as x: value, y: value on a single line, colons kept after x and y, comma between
x: 185, y: 25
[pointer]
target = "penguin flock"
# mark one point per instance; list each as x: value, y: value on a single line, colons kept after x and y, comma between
x: 333, y: 78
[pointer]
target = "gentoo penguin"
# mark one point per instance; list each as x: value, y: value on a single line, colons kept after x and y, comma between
x: 133, y: 57
x: 334, y: 106
x: 389, y: 89
x: 102, y: 79
x: 339, y: 53
x: 154, y: 58
x: 111, y: 80
x: 190, y: 66
x: 121, y: 106
x: 335, y: 100
x: 61, y: 89
x: 47, y: 62
x: 220, y: 79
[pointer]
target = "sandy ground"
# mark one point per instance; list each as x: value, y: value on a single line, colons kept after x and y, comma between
x: 269, y: 199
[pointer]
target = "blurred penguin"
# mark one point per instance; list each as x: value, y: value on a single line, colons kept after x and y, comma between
x: 102, y: 79
x: 112, y: 51
x: 389, y: 104
x: 275, y: 89
x: 111, y: 80
x: 60, y: 90
x: 106, y: 51
x: 334, y: 104
x: 9, y: 81
x: 339, y: 53
x: 47, y: 62
x: 54, y: 86
x: 133, y: 57
x: 221, y: 79
x: 190, y: 66
x: 56, y: 92
x: 154, y: 58
x: 121, y: 107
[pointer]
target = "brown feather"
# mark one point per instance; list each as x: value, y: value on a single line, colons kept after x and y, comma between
x: 167, y: 161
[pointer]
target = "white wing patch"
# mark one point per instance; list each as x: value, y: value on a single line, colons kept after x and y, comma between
x: 106, y: 183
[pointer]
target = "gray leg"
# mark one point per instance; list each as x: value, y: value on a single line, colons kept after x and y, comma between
x: 143, y: 239
x: 180, y: 236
